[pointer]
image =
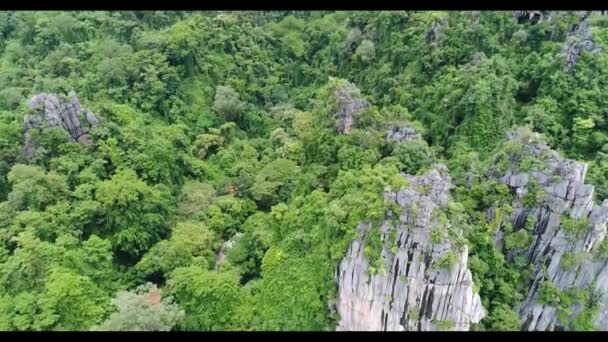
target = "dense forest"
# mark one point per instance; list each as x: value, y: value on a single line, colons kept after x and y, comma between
x: 219, y: 174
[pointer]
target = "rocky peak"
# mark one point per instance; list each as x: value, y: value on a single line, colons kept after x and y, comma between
x: 568, y: 228
x: 48, y: 110
x: 579, y: 40
x: 423, y: 283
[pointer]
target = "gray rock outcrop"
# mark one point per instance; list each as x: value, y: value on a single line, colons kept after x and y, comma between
x: 419, y: 290
x: 401, y: 132
x: 531, y: 16
x: 579, y: 40
x: 47, y: 110
x: 349, y: 105
x: 435, y: 32
x: 560, y: 197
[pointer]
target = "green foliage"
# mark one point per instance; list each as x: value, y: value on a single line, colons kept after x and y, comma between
x: 443, y: 325
x: 136, y: 214
x: 227, y: 104
x: 373, y: 249
x: 249, y: 249
x: 142, y: 310
x: 274, y: 182
x: 574, y: 228
x: 209, y: 299
x: 549, y: 294
x: 33, y: 189
x: 414, y: 156
x: 190, y: 244
x: 71, y: 301
x: 195, y: 197
x: 534, y: 195
x: 447, y: 261
x: 585, y: 320
x: 504, y: 318
x: 573, y: 260
x: 217, y: 149
x: 518, y: 240
x: 366, y: 51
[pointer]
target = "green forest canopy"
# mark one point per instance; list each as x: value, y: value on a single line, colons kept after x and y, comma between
x: 216, y: 172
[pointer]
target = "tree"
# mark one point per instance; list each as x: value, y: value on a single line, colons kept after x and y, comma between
x: 274, y: 182
x: 366, y: 51
x: 227, y: 104
x: 143, y: 309
x: 413, y: 156
x: 248, y: 249
x: 136, y: 214
x: 33, y: 188
x: 71, y: 301
x: 190, y: 244
x: 503, y: 318
x: 195, y: 198
x: 92, y: 258
x: 210, y: 299
x: 581, y: 133
x: 29, y: 265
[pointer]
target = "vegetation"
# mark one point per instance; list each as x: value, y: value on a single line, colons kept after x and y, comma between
x: 217, y: 192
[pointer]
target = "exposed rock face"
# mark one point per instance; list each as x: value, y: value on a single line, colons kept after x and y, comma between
x: 579, y: 37
x: 48, y: 110
x: 578, y: 41
x: 348, y: 106
x: 402, y: 132
x: 531, y: 16
x: 562, y: 194
x: 435, y: 32
x: 417, y: 291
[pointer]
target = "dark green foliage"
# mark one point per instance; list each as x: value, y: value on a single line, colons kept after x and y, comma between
x: 414, y: 156
x: 210, y: 299
x: 136, y: 214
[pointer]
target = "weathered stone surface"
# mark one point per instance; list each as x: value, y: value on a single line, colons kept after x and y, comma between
x: 414, y: 293
x: 579, y: 36
x: 435, y: 32
x: 531, y: 16
x: 402, y: 132
x: 48, y: 110
x: 349, y: 105
x: 581, y: 39
x: 565, y: 194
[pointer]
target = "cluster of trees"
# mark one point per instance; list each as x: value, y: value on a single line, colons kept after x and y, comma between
x: 217, y: 193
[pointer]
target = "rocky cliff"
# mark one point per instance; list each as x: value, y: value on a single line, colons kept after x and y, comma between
x: 568, y: 228
x: 426, y: 284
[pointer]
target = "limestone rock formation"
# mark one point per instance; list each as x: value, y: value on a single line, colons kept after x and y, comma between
x: 531, y: 16
x: 561, y: 200
x: 419, y: 290
x: 349, y: 105
x: 401, y: 132
x: 47, y: 110
x: 579, y: 36
x: 435, y: 32
x: 579, y: 40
